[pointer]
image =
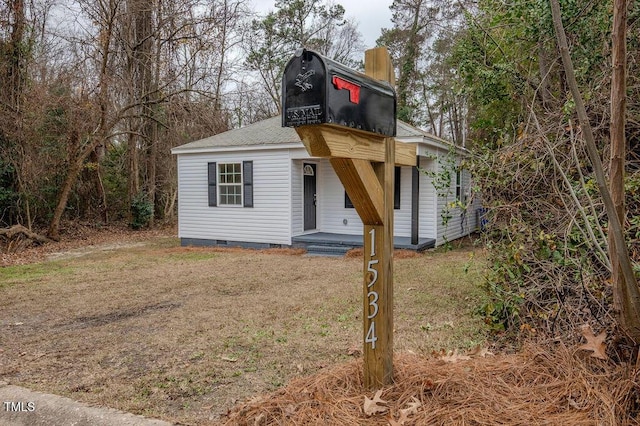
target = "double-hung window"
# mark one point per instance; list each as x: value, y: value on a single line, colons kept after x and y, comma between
x: 230, y: 184
x: 459, y: 193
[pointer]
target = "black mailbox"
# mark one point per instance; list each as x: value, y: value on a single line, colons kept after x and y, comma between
x: 318, y: 90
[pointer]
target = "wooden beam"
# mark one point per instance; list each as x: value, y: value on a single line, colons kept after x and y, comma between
x: 378, y: 256
x: 378, y: 286
x: 313, y: 140
x: 378, y: 368
x: 378, y: 65
x: 363, y: 187
x: 328, y: 140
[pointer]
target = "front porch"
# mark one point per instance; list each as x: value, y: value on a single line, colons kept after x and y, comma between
x: 327, y: 243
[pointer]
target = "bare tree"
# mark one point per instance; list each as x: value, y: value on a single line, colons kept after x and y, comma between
x: 106, y: 13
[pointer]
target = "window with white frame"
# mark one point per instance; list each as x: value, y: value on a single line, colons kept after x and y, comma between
x: 230, y: 184
x: 460, y: 194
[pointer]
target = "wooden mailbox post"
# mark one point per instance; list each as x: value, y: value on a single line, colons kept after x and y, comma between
x: 356, y: 134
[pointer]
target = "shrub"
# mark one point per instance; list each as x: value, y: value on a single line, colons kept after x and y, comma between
x: 141, y: 211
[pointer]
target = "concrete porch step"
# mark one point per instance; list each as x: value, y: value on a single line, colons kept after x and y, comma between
x: 353, y: 241
x: 327, y: 250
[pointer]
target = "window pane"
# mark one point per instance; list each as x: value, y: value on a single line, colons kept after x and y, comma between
x: 231, y: 194
x: 230, y: 173
x: 222, y: 172
x: 235, y: 173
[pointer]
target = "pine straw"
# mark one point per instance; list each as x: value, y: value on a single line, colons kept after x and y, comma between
x: 534, y: 387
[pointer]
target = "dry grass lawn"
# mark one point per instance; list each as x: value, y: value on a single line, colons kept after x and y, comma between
x: 184, y: 334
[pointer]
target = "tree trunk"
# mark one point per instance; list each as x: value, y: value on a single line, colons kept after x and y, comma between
x: 98, y: 185
x: 75, y: 166
x: 408, y: 68
x: 152, y: 162
x: 543, y: 69
x: 16, y: 71
x: 80, y: 155
x: 618, y: 148
x: 141, y: 75
x: 627, y: 288
x: 13, y: 58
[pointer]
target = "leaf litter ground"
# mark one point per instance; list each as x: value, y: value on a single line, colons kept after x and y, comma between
x: 533, y: 387
x: 192, y: 335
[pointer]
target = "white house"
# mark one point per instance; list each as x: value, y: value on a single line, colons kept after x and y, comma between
x: 257, y: 186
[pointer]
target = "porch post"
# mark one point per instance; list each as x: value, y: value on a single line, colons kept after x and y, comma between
x: 415, y: 203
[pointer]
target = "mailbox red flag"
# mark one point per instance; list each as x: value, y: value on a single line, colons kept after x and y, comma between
x: 354, y: 89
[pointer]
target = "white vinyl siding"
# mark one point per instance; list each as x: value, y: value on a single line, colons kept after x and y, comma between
x: 427, y: 222
x: 278, y: 212
x: 269, y: 221
x: 332, y: 213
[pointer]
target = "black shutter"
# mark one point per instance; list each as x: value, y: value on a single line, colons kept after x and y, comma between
x: 396, y: 189
x: 247, y: 182
x: 347, y: 201
x: 213, y: 184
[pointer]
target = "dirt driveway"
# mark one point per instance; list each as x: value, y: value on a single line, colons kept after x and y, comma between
x: 183, y: 334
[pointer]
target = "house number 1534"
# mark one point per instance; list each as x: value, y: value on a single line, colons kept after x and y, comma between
x: 372, y: 295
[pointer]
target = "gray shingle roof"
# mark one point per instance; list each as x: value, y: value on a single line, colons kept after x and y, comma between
x: 265, y: 132
x: 271, y: 132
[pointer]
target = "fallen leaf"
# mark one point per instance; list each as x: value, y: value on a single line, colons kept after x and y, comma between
x: 413, y: 406
x: 596, y: 344
x: 400, y: 422
x: 411, y: 410
x: 371, y: 406
x: 455, y: 357
x: 479, y: 351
